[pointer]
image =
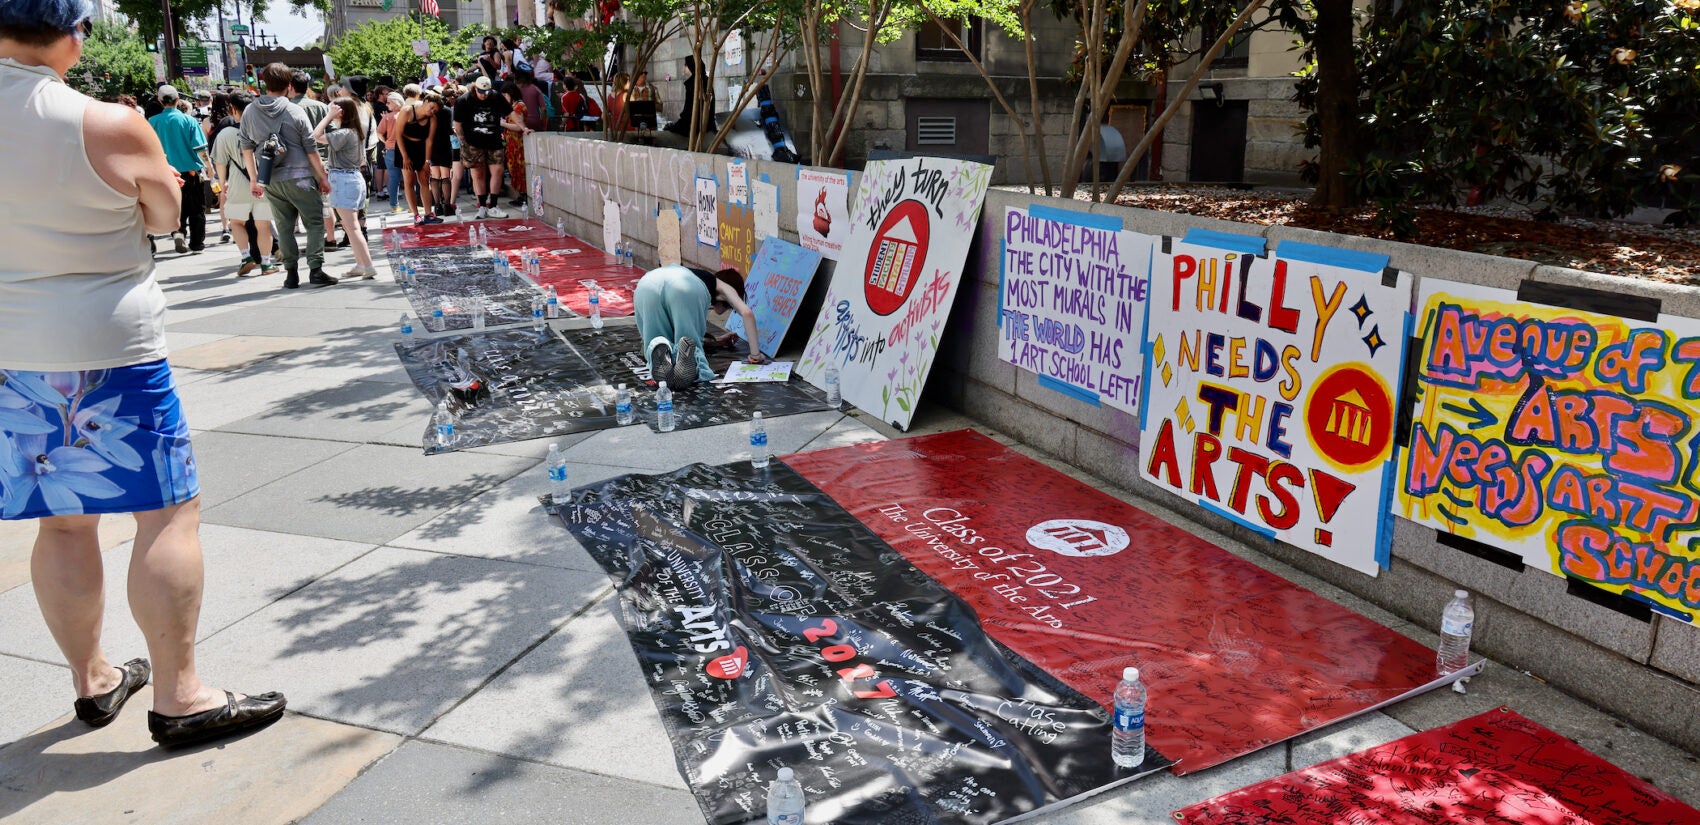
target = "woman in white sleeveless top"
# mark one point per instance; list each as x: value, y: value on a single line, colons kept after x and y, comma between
x: 89, y: 417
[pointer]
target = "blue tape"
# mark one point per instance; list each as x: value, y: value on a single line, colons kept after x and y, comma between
x: 1000, y: 281
x: 1107, y: 223
x: 1070, y: 390
x: 1231, y: 241
x: 1333, y: 256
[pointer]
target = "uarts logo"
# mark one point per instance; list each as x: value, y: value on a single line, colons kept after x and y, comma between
x: 708, y: 637
x: 1077, y: 537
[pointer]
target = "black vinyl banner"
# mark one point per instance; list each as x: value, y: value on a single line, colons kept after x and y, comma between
x: 775, y: 630
x: 462, y: 275
x: 618, y: 355
x: 507, y: 385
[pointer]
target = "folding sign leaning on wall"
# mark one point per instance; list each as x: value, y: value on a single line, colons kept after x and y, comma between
x: 1271, y: 389
x: 1564, y: 436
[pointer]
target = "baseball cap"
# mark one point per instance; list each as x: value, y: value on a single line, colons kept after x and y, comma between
x: 203, y: 94
x: 482, y: 84
x: 166, y: 90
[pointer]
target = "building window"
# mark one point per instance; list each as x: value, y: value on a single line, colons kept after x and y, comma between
x: 1236, y: 55
x: 932, y: 44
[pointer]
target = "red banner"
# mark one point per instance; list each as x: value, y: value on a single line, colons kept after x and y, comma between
x: 566, y: 262
x: 1496, y: 767
x: 1083, y: 584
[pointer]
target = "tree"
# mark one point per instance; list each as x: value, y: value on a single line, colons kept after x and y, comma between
x: 115, y: 61
x: 189, y: 15
x: 385, y: 47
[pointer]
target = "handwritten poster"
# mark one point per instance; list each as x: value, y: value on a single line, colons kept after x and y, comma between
x: 612, y: 233
x: 766, y: 198
x: 1271, y: 387
x: 1564, y: 436
x: 776, y: 283
x: 738, y: 183
x: 823, y: 216
x: 708, y: 212
x: 667, y: 233
x: 1071, y: 302
x: 737, y: 237
x: 895, y: 281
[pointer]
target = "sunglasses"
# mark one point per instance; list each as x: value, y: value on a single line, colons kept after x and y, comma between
x: 83, y: 29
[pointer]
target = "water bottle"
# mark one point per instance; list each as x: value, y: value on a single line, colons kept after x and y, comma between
x: 406, y: 325
x: 623, y: 405
x: 560, y: 227
x: 537, y: 313
x: 595, y: 305
x: 458, y: 217
x: 620, y: 251
x: 554, y: 302
x: 1127, y: 741
x: 758, y: 441
x: 438, y: 320
x: 834, y: 394
x: 1457, y: 622
x: 631, y: 254
x: 785, y: 799
x: 664, y: 408
x: 445, y: 424
x: 557, y: 466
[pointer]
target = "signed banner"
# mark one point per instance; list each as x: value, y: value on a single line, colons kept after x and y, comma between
x: 823, y: 212
x: 1270, y: 391
x: 1071, y: 302
x: 455, y: 279
x: 895, y: 281
x: 1496, y: 767
x: 777, y: 281
x: 773, y: 629
x: 1564, y: 436
x: 1083, y: 584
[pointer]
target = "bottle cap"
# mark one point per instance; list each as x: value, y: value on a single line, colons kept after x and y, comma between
x: 1130, y: 674
x: 664, y: 385
x: 1461, y: 594
x: 622, y: 386
x: 786, y: 774
x: 755, y: 416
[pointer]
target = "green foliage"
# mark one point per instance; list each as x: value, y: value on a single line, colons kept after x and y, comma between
x: 1163, y: 37
x: 1591, y: 107
x: 191, y: 15
x: 385, y: 47
x: 115, y: 61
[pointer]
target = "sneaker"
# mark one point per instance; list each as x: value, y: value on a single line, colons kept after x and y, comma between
x: 517, y: 202
x: 247, y: 268
x: 318, y: 278
x: 418, y: 219
x: 178, y: 241
x: 395, y: 209
x: 291, y: 279
x: 383, y: 196
x: 496, y: 212
x: 482, y: 214
x: 685, y: 364
x: 431, y: 219
x: 270, y: 267
x: 661, y: 362
x: 360, y: 273
x: 225, y: 238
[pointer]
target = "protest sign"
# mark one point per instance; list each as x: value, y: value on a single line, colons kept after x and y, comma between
x: 1563, y: 436
x: 738, y: 183
x: 823, y: 212
x: 708, y: 212
x: 778, y: 278
x: 667, y: 232
x: 766, y: 204
x: 1270, y: 388
x: 896, y: 280
x: 737, y: 237
x: 1071, y: 302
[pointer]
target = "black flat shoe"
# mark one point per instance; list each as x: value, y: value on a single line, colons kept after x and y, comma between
x: 685, y: 364
x: 236, y: 716
x: 99, y: 711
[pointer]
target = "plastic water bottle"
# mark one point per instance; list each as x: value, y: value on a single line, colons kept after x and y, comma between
x: 438, y: 320
x: 560, y: 227
x: 537, y: 313
x: 834, y: 394
x: 458, y: 217
x: 758, y: 441
x: 631, y: 254
x: 785, y: 799
x: 623, y: 405
x: 445, y: 424
x: 664, y: 409
x: 1127, y: 741
x: 595, y: 305
x: 406, y: 325
x: 557, y: 466
x: 620, y: 250
x: 554, y: 302
x: 1457, y: 622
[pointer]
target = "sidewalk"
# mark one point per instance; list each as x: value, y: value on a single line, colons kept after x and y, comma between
x: 449, y: 654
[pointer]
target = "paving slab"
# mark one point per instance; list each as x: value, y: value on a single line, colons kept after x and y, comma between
x: 245, y: 571
x: 235, y: 352
x: 36, y: 693
x: 232, y: 396
x: 231, y: 463
x: 286, y: 320
x: 370, y: 493
x: 576, y: 688
x: 537, y: 448
x: 507, y: 522
x: 179, y: 341
x: 396, y: 638
x: 357, y: 411
x: 1149, y: 801
x: 427, y: 783
x: 17, y: 542
x: 845, y: 432
x: 379, y: 293
x: 639, y: 446
x: 67, y: 772
x: 1348, y: 737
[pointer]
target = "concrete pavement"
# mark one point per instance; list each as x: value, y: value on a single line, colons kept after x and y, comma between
x: 449, y: 655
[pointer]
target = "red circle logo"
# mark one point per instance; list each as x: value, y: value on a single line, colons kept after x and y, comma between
x: 1349, y: 417
x: 896, y: 256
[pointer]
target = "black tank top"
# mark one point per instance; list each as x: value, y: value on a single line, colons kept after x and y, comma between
x: 416, y: 130
x: 708, y: 280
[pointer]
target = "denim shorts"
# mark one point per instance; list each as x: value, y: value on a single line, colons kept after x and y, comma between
x: 93, y: 441
x: 348, y: 189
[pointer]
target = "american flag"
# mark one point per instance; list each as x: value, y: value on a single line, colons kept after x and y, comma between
x: 429, y: 7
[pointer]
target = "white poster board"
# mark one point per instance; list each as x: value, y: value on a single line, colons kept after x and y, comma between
x: 823, y: 216
x: 1272, y: 386
x: 765, y: 197
x: 737, y: 183
x: 611, y: 230
x: 667, y: 234
x: 1071, y: 302
x: 896, y: 279
x: 708, y: 212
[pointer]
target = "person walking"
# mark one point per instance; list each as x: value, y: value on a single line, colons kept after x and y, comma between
x: 671, y: 304
x: 479, y: 121
x: 183, y: 141
x: 344, y: 133
x: 391, y: 131
x: 240, y: 206
x: 290, y: 189
x: 90, y: 421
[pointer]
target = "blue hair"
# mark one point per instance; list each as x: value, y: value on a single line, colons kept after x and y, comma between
x: 59, y: 15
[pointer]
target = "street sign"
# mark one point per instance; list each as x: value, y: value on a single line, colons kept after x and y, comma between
x: 192, y: 54
x: 238, y: 28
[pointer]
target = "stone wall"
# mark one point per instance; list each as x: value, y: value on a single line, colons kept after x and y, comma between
x: 1646, y: 671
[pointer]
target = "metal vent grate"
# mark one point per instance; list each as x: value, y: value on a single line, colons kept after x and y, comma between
x: 935, y: 131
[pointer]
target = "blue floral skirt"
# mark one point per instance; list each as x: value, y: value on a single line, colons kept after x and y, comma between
x: 93, y: 441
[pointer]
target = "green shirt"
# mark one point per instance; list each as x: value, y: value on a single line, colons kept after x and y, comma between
x: 182, y: 138
x: 316, y: 111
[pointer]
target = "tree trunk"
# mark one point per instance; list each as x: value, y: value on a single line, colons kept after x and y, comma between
x: 1336, y: 103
